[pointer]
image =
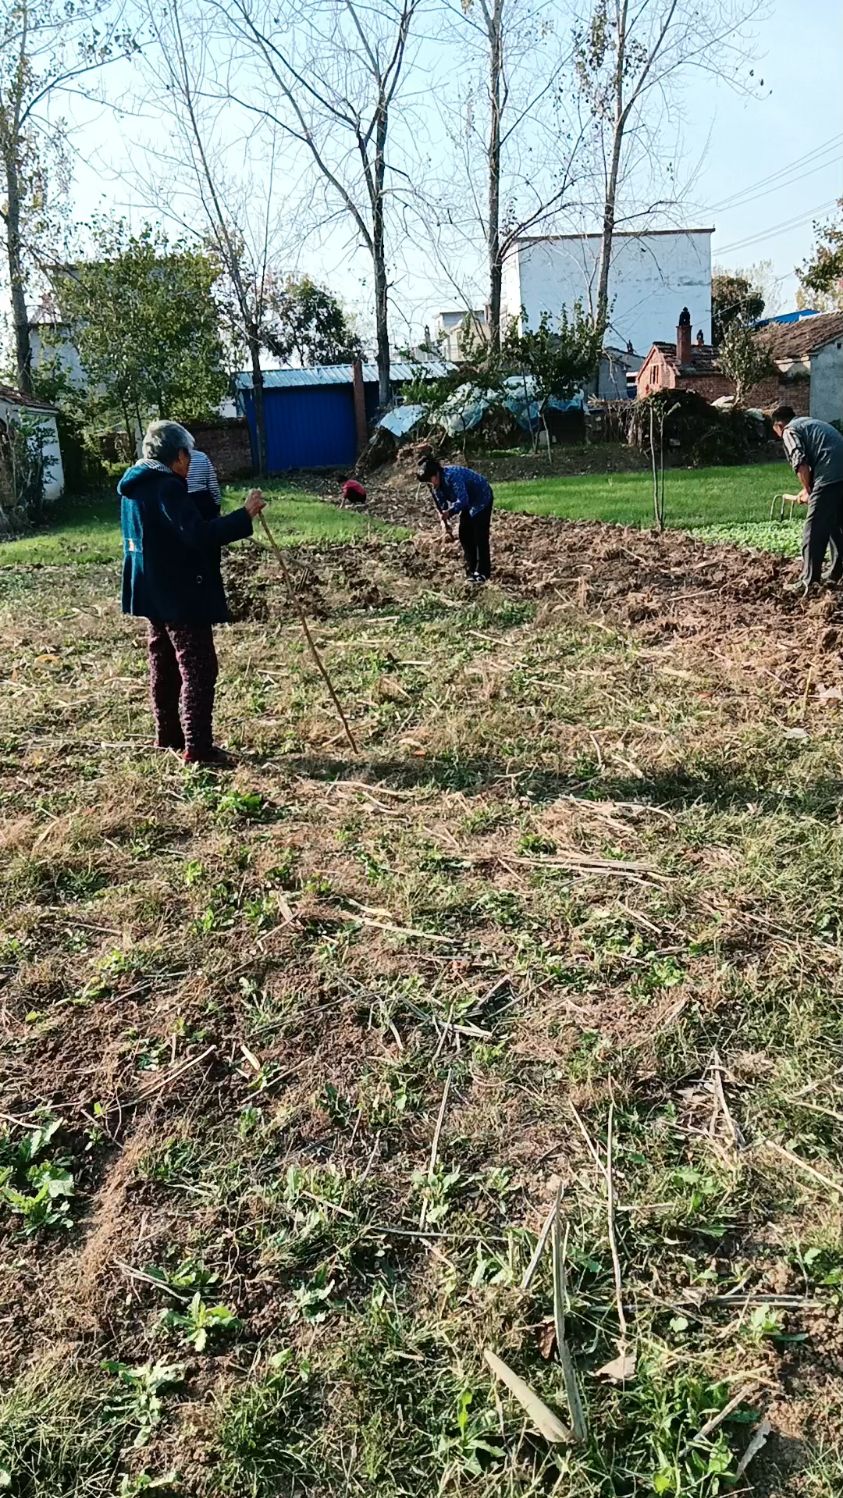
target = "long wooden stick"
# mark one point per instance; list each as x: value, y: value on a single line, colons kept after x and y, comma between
x: 296, y: 602
x: 434, y: 1148
x: 610, y: 1215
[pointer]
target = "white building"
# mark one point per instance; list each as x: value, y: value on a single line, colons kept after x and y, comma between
x: 651, y: 274
x: 51, y: 341
x: 455, y: 330
x: 17, y: 409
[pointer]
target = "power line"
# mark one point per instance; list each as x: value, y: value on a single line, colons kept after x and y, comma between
x: 781, y: 171
x: 742, y: 244
x: 790, y: 181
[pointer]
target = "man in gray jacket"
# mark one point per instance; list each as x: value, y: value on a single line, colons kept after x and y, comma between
x: 814, y: 450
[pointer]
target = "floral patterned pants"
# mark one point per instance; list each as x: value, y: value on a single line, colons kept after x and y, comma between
x: 182, y: 678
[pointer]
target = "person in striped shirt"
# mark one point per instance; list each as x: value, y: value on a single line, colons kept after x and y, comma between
x: 202, y: 475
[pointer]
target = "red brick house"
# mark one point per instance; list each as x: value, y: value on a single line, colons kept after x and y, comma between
x: 684, y: 365
x: 809, y: 359
x: 806, y: 366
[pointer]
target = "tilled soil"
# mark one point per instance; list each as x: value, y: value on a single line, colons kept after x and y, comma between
x: 667, y: 586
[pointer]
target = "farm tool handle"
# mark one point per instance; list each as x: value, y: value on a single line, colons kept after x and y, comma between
x: 446, y: 529
x: 296, y: 602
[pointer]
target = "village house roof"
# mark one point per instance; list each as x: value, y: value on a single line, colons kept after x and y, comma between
x: 597, y: 234
x: 799, y: 339
x: 10, y: 397
x: 703, y: 358
x: 343, y: 374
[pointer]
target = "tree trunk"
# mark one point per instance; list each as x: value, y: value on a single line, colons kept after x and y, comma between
x: 127, y: 422
x: 379, y: 263
x: 259, y: 446
x: 608, y: 230
x: 493, y: 226
x: 17, y: 287
x: 382, y: 325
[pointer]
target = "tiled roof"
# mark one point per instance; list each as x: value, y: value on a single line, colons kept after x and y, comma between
x: 341, y: 374
x: 795, y: 340
x: 12, y: 397
x: 703, y: 358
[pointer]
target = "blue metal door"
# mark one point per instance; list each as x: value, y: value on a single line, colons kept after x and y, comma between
x: 311, y: 427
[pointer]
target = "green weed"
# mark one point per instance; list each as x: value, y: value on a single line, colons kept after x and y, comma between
x: 200, y: 1324
x: 265, y: 1437
x: 136, y: 1401
x: 55, y: 1439
x: 33, y: 1187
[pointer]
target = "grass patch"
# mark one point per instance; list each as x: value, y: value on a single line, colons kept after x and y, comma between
x: 56, y: 1438
x: 581, y: 877
x: 720, y: 504
x: 87, y: 530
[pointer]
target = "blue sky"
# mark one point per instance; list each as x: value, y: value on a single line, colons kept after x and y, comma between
x: 752, y: 139
x: 738, y: 152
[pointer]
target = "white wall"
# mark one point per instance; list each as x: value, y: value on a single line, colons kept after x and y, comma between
x: 58, y: 346
x: 653, y: 276
x: 54, y: 486
x: 827, y: 382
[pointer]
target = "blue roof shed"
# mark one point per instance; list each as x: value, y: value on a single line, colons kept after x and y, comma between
x: 310, y: 412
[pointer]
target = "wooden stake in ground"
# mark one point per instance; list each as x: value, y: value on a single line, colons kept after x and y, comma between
x: 295, y: 601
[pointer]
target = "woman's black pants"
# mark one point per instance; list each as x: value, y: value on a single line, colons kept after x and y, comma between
x: 474, y: 540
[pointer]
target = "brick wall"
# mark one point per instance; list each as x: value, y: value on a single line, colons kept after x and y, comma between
x: 710, y: 387
x: 772, y: 392
x: 655, y: 374
x: 226, y: 444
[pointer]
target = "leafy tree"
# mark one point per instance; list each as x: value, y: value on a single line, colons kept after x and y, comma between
x: 744, y: 358
x: 559, y: 359
x: 306, y: 321
x: 733, y: 300
x: 143, y: 317
x: 822, y: 273
x: 554, y: 359
x: 25, y: 468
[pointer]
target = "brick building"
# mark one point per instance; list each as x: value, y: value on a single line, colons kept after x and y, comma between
x: 809, y: 356
x: 687, y: 364
x: 226, y: 444
x: 806, y: 372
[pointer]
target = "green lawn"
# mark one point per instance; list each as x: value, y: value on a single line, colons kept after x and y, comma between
x: 723, y: 504
x: 729, y: 504
x: 88, y: 530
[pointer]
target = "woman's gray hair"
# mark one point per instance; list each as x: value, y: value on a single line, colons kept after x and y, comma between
x: 164, y: 440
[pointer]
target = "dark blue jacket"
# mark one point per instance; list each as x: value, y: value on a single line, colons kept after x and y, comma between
x: 171, y: 548
x: 462, y: 489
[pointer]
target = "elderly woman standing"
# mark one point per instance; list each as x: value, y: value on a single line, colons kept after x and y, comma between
x: 172, y: 577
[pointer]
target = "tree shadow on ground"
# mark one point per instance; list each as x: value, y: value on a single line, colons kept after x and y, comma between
x: 708, y: 785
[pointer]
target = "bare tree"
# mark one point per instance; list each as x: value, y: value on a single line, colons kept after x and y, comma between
x: 329, y: 74
x: 627, y: 55
x: 46, y: 49
x: 509, y: 129
x: 234, y: 213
